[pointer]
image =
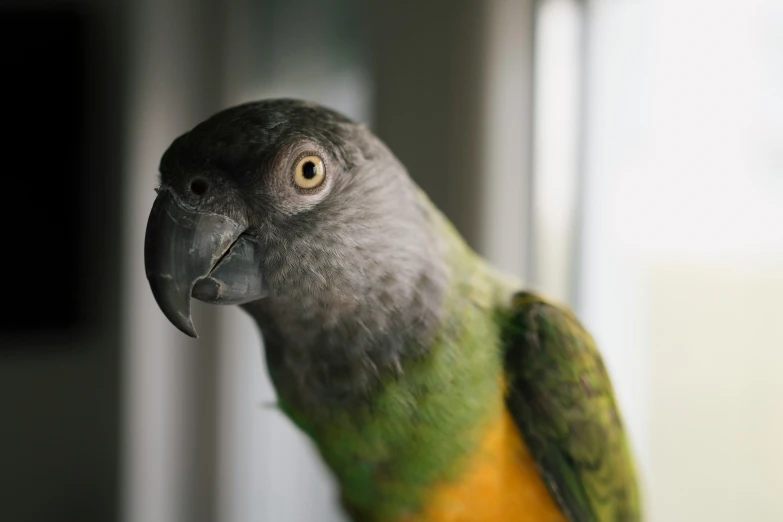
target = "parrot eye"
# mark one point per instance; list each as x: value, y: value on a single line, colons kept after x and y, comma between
x: 310, y: 172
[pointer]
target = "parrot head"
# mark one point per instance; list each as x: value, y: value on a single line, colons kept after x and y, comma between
x: 297, y: 213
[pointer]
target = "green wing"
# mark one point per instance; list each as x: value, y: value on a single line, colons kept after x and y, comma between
x: 561, y: 399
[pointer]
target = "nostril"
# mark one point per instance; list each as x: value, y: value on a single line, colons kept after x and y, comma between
x: 199, y: 186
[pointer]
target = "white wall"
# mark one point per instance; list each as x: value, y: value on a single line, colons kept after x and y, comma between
x: 683, y: 245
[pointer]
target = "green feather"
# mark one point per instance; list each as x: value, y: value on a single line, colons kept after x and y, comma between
x: 561, y: 398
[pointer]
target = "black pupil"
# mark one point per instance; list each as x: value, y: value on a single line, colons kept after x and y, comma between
x: 199, y: 187
x: 309, y: 170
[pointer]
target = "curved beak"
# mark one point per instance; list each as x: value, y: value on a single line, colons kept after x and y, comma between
x: 189, y: 253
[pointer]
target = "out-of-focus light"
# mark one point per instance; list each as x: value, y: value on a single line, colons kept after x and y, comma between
x: 558, y: 84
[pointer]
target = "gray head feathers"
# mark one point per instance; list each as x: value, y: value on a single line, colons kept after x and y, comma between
x: 355, y: 277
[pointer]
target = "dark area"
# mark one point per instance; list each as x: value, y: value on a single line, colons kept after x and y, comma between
x: 43, y: 60
x: 308, y: 170
x: 60, y: 336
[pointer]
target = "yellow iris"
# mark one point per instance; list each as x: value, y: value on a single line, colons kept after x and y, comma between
x: 310, y: 172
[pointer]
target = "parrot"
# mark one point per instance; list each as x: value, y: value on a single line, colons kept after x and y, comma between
x: 435, y: 387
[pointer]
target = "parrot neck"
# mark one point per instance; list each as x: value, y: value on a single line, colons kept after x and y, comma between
x: 398, y: 413
x: 336, y: 325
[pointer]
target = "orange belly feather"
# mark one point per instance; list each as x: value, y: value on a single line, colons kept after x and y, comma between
x: 500, y: 483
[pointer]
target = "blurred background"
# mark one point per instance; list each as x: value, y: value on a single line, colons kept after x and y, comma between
x: 624, y: 156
